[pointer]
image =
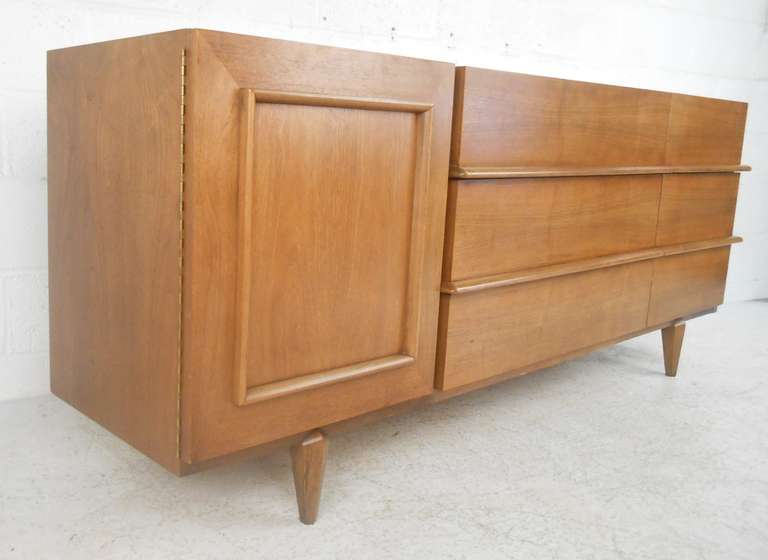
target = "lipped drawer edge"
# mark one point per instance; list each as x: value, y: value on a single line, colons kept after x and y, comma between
x: 511, y: 328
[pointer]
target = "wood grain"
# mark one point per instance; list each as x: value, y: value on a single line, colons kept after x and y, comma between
x: 514, y: 224
x: 509, y: 119
x: 308, y: 460
x: 704, y: 131
x: 687, y: 283
x: 672, y: 340
x: 331, y: 238
x: 114, y: 164
x: 340, y: 267
x: 513, y: 121
x: 697, y: 207
x: 495, y: 331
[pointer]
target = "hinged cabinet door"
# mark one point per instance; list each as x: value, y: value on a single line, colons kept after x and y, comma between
x: 317, y: 193
x: 330, y: 239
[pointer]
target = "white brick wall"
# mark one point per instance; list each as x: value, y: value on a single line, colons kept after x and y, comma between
x: 707, y: 47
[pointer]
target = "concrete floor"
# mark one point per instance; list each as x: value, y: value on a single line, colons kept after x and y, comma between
x: 603, y: 457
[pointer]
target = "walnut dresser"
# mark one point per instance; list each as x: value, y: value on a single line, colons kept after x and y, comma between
x: 255, y: 243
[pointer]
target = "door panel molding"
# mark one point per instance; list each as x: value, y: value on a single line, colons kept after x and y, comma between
x: 245, y: 391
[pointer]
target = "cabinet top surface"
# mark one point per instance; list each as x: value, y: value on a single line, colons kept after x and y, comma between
x: 485, y: 73
x: 275, y: 41
x: 489, y: 74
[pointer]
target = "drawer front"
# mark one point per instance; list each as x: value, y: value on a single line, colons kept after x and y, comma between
x: 686, y: 284
x: 514, y: 120
x: 505, y: 225
x: 697, y: 207
x: 705, y: 131
x: 506, y: 119
x: 501, y: 330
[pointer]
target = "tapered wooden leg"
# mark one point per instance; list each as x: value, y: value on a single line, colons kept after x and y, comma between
x: 672, y: 339
x: 308, y: 458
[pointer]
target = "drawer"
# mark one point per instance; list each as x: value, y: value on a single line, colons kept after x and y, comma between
x: 506, y: 119
x: 504, y: 225
x: 501, y: 330
x: 503, y: 119
x: 696, y: 207
x: 705, y: 131
x: 689, y: 283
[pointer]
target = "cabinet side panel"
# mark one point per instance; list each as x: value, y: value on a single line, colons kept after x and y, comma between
x: 114, y: 169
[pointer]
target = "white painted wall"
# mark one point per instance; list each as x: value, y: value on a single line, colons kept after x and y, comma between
x: 715, y: 48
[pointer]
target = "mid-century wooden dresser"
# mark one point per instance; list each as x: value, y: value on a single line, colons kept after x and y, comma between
x: 254, y: 243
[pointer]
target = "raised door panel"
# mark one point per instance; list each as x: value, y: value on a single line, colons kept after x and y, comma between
x: 507, y: 119
x: 506, y: 225
x: 697, y: 207
x: 315, y: 189
x: 330, y: 243
x: 514, y: 328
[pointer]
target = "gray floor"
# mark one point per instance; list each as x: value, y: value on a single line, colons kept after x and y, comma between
x: 603, y: 457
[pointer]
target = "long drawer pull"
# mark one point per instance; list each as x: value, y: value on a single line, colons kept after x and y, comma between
x: 521, y: 172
